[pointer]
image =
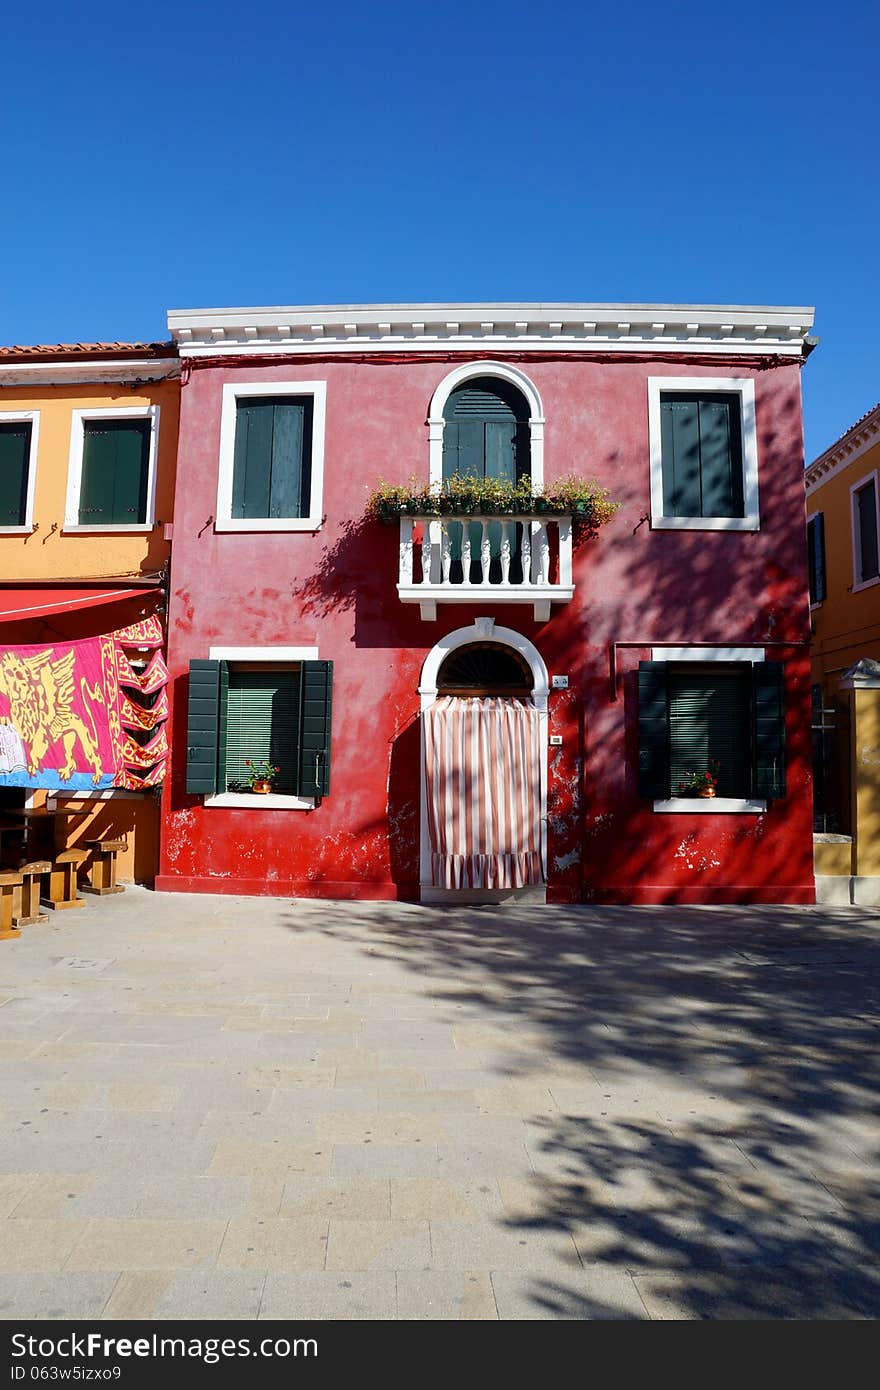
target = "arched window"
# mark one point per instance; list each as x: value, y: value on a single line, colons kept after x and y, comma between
x: 485, y: 668
x: 486, y: 431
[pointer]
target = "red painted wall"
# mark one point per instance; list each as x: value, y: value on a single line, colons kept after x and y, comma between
x: 336, y: 589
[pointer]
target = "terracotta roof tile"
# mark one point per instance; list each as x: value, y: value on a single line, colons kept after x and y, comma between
x: 39, y: 351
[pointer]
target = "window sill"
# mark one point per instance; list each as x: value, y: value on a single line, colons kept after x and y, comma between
x: 865, y: 584
x: 718, y: 805
x: 142, y: 528
x: 16, y: 530
x: 272, y: 801
x: 705, y: 523
x: 263, y: 525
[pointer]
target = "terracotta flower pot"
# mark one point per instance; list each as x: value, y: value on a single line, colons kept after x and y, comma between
x: 706, y: 791
x: 261, y: 787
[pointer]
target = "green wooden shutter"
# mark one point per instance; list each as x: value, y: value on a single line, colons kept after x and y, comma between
x: 709, y: 725
x: 701, y: 449
x: 316, y: 702
x: 680, y: 444
x: 768, y: 710
x: 15, y: 450
x: 721, y: 478
x: 866, y: 499
x: 262, y: 709
x: 653, y: 730
x: 203, y: 723
x: 816, y: 555
x: 271, y: 476
x: 115, y: 473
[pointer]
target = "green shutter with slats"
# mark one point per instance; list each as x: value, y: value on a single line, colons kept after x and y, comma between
x: 768, y: 709
x: 653, y: 730
x: 203, y: 722
x: 260, y: 724
x: 701, y: 448
x: 15, y: 449
x: 709, y: 731
x: 866, y: 503
x: 271, y: 476
x: 816, y: 556
x: 115, y: 473
x: 315, y: 719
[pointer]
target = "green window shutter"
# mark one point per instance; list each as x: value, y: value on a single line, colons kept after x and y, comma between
x: 768, y: 710
x: 701, y: 449
x: 203, y: 723
x: 315, y: 718
x: 115, y: 473
x: 816, y: 557
x: 15, y: 450
x: 486, y: 432
x: 709, y: 712
x: 866, y: 500
x: 653, y: 730
x: 262, y: 709
x: 271, y: 476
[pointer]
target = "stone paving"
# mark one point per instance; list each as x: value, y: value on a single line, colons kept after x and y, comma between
x: 252, y: 1108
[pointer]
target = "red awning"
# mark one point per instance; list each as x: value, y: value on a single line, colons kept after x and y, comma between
x: 42, y: 603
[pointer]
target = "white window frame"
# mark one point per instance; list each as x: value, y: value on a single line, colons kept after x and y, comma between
x: 467, y: 372
x: 232, y: 393
x: 744, y: 388
x: 23, y: 417
x: 272, y: 801
x: 858, y: 583
x: 812, y: 516
x: 706, y: 805
x: 78, y: 421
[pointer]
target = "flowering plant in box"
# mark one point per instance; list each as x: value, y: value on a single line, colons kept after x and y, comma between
x: 260, y: 774
x: 699, y: 783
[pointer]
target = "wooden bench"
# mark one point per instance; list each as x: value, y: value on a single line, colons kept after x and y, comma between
x: 104, y: 854
x: 59, y: 884
x: 26, y: 899
x: 9, y: 881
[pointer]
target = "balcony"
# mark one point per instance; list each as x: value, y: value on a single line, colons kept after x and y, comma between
x: 480, y: 558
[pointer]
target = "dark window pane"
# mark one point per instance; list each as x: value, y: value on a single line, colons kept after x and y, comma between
x: 816, y: 557
x: 701, y: 449
x: 273, y: 452
x: 866, y: 498
x: 709, y: 719
x: 15, y: 449
x: 115, y: 473
x: 261, y: 719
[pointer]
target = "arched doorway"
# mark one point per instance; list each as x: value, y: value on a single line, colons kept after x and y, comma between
x: 484, y: 767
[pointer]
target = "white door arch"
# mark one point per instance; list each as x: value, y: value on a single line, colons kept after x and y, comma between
x: 466, y: 372
x: 481, y: 630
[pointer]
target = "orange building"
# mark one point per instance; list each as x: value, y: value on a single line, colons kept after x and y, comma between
x: 88, y: 443
x: 843, y: 536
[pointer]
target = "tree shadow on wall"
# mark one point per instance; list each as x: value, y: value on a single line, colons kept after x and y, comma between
x: 698, y: 1092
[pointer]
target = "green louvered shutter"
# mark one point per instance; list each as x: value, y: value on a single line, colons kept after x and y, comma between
x: 709, y: 724
x: 653, y: 730
x: 115, y: 473
x: 701, y: 448
x: 203, y: 723
x: 768, y: 708
x: 272, y: 465
x: 316, y: 701
x: 15, y: 450
x: 816, y: 554
x: 262, y: 709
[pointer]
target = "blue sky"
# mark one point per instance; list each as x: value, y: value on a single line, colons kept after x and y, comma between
x: 180, y: 156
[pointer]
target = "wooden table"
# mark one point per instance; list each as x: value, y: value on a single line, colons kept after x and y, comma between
x: 39, y: 827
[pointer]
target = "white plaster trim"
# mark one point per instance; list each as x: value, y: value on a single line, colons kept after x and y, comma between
x: 565, y: 327
x: 707, y: 653
x: 49, y: 373
x: 744, y: 387
x: 271, y: 801
x: 266, y: 654
x: 482, y: 630
x: 78, y: 420
x: 855, y: 537
x: 702, y: 805
x: 105, y: 530
x: 853, y: 445
x: 232, y: 391
x: 32, y: 417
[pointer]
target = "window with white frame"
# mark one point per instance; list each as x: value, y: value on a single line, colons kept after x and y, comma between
x: 865, y: 531
x: 271, y: 456
x: 111, y: 482
x: 816, y: 557
x: 18, y: 469
x: 703, y: 453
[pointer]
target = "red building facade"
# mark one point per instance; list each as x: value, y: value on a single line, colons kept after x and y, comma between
x: 673, y: 642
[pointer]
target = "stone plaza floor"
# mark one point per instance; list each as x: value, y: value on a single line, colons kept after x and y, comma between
x: 221, y: 1108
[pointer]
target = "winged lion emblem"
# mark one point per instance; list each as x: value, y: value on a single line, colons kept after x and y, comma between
x: 40, y: 690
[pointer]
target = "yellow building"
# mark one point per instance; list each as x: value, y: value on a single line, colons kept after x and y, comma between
x: 843, y: 536
x: 88, y: 443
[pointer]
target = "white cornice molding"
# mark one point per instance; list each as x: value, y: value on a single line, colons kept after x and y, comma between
x: 859, y: 438
x: 127, y: 370
x: 382, y: 328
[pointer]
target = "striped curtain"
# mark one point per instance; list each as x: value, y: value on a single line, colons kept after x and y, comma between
x: 483, y: 789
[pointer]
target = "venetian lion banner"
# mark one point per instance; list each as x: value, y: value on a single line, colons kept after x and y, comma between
x: 67, y: 723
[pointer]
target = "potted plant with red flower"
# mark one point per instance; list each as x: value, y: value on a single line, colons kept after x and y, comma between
x: 261, y: 775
